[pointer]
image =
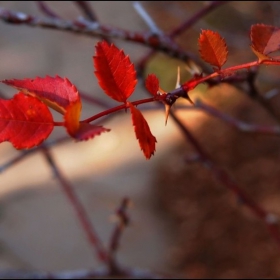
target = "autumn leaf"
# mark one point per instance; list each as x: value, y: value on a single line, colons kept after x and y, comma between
x: 24, y: 121
x: 72, y: 117
x: 152, y: 84
x: 145, y: 138
x: 55, y: 92
x: 78, y: 130
x: 87, y: 131
x: 115, y: 73
x: 212, y: 48
x: 265, y: 40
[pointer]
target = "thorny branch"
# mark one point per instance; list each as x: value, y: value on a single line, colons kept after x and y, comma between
x: 158, y: 42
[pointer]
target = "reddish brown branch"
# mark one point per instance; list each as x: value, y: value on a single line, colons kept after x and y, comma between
x: 79, y: 209
x: 206, y: 9
x: 94, y: 29
x: 183, y: 27
x: 130, y: 273
x: 87, y: 10
x: 240, y: 125
x: 225, y: 179
x: 123, y: 222
x: 47, y: 10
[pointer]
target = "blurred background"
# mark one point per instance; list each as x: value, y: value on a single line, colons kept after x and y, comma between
x: 183, y: 221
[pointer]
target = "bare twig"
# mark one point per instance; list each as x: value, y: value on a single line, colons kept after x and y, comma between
x: 225, y: 179
x: 25, y: 153
x: 87, y: 10
x: 123, y: 222
x: 94, y: 29
x: 183, y: 27
x: 47, y: 10
x: 103, y: 273
x: 146, y: 17
x: 79, y: 209
x: 208, y: 7
x: 240, y: 125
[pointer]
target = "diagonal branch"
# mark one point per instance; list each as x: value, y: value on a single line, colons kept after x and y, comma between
x: 47, y: 10
x: 183, y: 27
x: 225, y: 179
x: 87, y: 10
x: 79, y: 209
x: 94, y: 29
x: 240, y: 125
x: 130, y: 273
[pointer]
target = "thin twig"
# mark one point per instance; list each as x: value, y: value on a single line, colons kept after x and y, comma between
x: 225, y: 179
x: 47, y: 10
x: 240, y: 125
x: 103, y: 273
x: 183, y: 27
x: 206, y: 9
x: 87, y: 10
x: 123, y: 222
x: 79, y: 209
x: 94, y: 29
x: 146, y: 17
x: 25, y: 153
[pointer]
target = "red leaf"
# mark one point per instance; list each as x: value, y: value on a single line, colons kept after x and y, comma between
x: 72, y: 117
x: 145, y: 138
x: 56, y: 92
x: 76, y: 129
x: 87, y: 131
x: 115, y: 73
x: 24, y: 121
x: 152, y: 84
x: 265, y: 39
x: 212, y: 48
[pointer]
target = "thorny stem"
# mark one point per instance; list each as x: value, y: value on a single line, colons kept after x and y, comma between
x: 79, y: 209
x: 179, y: 92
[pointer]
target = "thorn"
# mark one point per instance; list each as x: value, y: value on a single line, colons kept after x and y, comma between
x: 188, y: 98
x: 192, y: 68
x: 178, y: 78
x: 167, y: 110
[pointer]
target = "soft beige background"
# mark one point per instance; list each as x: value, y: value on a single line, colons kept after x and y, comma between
x: 38, y: 228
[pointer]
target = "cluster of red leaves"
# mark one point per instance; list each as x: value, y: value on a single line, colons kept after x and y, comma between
x: 265, y: 40
x: 117, y: 77
x: 26, y: 121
